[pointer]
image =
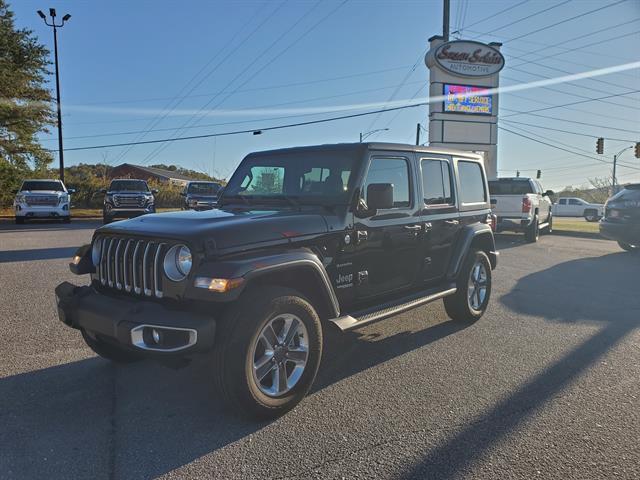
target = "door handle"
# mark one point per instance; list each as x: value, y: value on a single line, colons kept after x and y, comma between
x: 452, y: 222
x: 415, y: 228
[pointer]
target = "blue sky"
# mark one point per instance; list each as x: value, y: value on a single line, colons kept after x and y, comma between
x: 124, y: 64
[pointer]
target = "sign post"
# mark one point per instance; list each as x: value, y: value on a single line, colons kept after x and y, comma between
x: 461, y: 72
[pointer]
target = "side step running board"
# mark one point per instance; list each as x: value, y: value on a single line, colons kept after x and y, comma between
x: 543, y: 225
x: 357, y: 319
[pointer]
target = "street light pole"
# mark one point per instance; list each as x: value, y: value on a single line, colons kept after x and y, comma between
x: 52, y: 12
x: 615, y: 164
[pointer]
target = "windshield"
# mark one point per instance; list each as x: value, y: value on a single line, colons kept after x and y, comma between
x: 33, y: 185
x: 203, y: 188
x: 307, y: 177
x: 510, y: 187
x: 129, y: 185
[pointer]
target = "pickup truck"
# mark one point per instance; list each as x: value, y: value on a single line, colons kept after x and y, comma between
x: 577, y: 207
x: 521, y: 205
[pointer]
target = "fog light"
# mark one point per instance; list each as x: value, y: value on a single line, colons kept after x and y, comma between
x: 76, y: 259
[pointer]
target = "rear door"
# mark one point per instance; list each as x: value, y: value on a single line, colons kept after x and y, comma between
x: 561, y: 208
x: 576, y: 207
x: 439, y: 215
x: 386, y: 252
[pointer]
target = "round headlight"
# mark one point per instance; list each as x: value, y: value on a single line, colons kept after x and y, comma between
x: 177, y: 262
x: 96, y: 250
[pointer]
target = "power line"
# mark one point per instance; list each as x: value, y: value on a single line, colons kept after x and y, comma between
x: 238, y: 132
x: 568, y: 121
x: 566, y: 20
x: 561, y: 148
x: 215, y: 68
x: 278, y: 55
x: 529, y: 16
x: 496, y: 14
x: 568, y: 131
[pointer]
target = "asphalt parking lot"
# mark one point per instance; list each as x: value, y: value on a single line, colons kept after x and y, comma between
x: 546, y: 385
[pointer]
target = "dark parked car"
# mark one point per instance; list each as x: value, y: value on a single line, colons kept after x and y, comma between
x: 127, y: 198
x: 303, y: 239
x: 200, y: 195
x: 621, y: 220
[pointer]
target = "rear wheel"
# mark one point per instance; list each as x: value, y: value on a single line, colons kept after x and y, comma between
x: 629, y: 248
x: 268, y: 352
x: 532, y: 233
x: 107, y: 351
x: 591, y: 216
x: 470, y: 301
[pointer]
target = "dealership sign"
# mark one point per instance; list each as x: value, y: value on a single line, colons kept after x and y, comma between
x: 469, y: 59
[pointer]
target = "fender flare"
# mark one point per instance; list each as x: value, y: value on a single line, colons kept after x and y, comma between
x: 253, y: 267
x: 468, y: 234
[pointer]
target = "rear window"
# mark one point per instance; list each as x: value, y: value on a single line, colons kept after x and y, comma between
x: 471, y: 182
x: 34, y: 186
x: 510, y: 187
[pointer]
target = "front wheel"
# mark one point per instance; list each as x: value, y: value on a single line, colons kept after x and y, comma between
x: 532, y: 233
x: 629, y: 248
x: 268, y: 352
x: 471, y: 299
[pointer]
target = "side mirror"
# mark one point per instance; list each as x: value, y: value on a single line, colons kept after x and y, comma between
x: 71, y: 191
x: 102, y: 190
x: 549, y: 193
x: 380, y: 196
x: 154, y: 191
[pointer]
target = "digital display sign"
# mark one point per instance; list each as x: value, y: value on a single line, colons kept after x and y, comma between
x: 467, y: 99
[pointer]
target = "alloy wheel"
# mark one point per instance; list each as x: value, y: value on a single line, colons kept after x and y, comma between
x: 478, y: 284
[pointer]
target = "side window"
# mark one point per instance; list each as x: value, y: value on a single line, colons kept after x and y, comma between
x: 574, y: 201
x: 394, y: 171
x: 436, y: 182
x: 563, y: 201
x: 471, y: 182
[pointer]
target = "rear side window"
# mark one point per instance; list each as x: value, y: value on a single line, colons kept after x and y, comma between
x: 471, y: 182
x: 436, y: 182
x: 508, y: 186
x: 394, y: 171
x: 563, y: 201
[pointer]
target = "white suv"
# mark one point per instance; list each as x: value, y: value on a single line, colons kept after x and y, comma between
x: 43, y: 199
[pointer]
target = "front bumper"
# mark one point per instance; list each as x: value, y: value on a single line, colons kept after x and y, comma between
x: 117, y: 212
x: 620, y: 232
x: 130, y: 323
x: 42, y: 211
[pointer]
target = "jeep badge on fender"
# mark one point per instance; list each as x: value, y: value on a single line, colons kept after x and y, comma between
x: 254, y: 283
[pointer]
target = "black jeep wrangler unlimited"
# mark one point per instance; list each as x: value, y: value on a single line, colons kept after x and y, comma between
x: 304, y: 239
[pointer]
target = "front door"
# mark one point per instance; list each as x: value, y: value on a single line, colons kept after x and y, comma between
x: 439, y: 215
x: 387, y: 243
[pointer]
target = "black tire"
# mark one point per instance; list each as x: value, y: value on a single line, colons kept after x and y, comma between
x: 238, y: 342
x: 66, y: 219
x: 591, y: 215
x: 629, y: 248
x: 106, y: 219
x: 459, y: 305
x: 109, y: 352
x: 532, y: 233
x: 19, y: 220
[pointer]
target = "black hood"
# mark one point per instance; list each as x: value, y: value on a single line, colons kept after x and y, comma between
x: 223, y: 228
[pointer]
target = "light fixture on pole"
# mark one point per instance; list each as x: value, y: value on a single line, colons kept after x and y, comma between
x: 55, y: 26
x: 368, y: 134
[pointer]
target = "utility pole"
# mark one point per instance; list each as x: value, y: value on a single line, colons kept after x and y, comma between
x: 445, y: 19
x: 368, y: 134
x: 52, y: 12
x: 418, y: 134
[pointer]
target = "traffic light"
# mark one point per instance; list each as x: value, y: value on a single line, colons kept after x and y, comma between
x: 600, y: 146
x: 539, y: 174
x: 638, y: 150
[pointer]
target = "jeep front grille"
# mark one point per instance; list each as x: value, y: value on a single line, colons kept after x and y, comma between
x: 129, y: 200
x: 132, y: 265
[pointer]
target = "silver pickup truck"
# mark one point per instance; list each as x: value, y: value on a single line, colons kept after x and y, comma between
x: 521, y: 205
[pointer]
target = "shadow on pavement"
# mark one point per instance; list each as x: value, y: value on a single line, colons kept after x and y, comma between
x: 92, y: 418
x: 601, y: 290
x: 49, y: 225
x: 8, y: 256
